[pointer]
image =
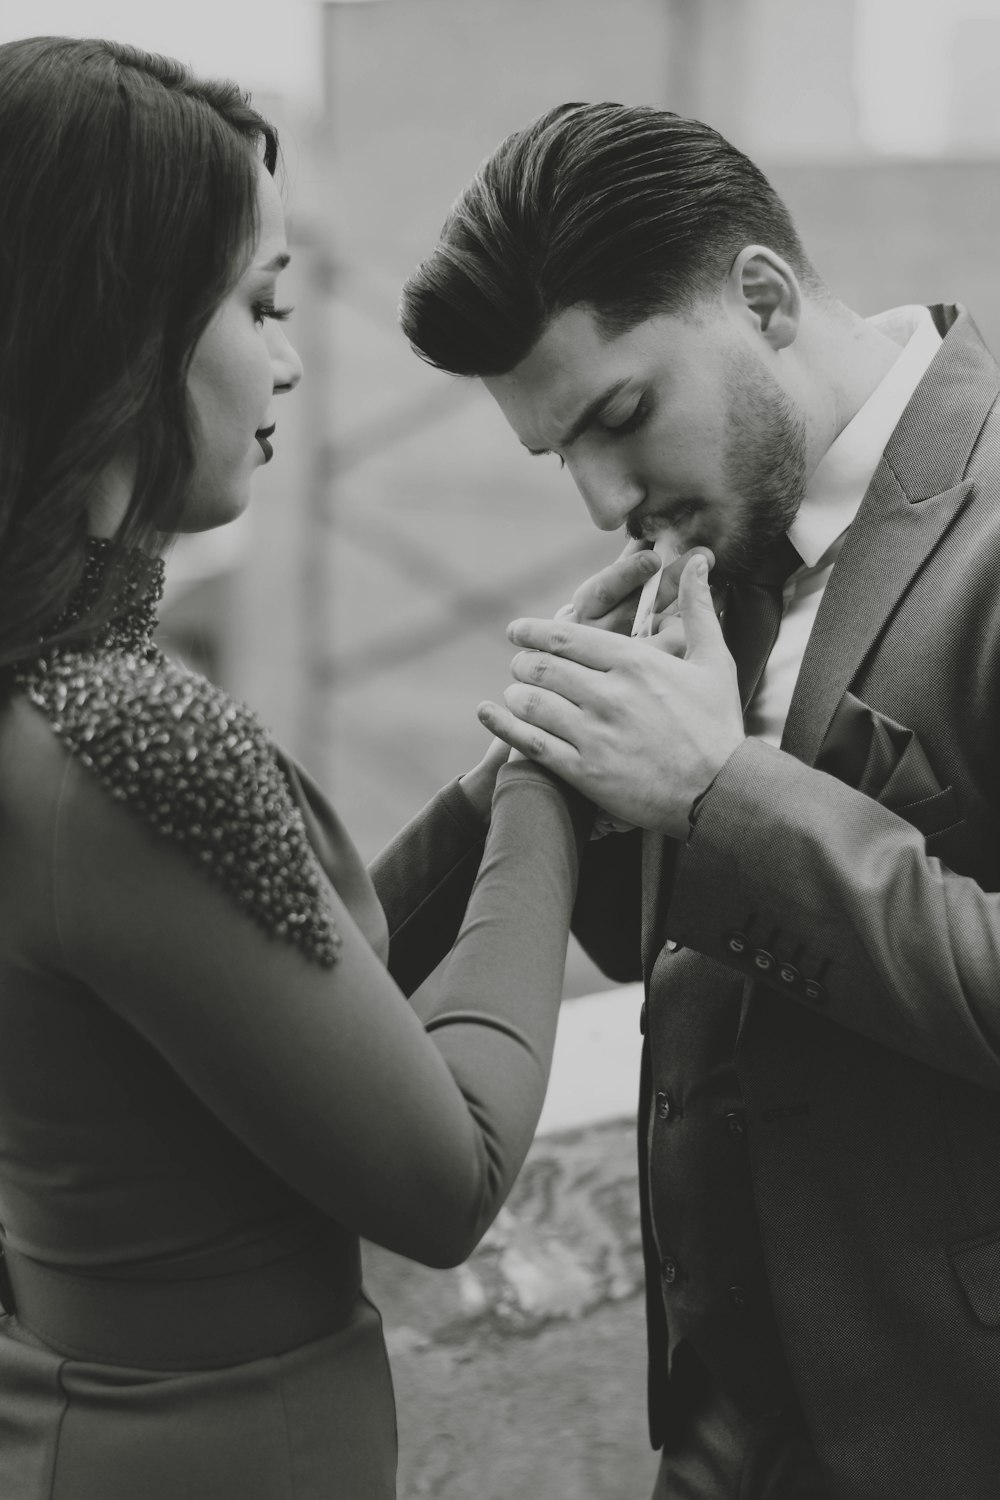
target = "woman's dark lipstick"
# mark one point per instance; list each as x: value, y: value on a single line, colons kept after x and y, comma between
x: 262, y: 434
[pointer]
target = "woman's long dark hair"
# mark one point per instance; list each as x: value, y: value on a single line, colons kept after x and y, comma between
x: 128, y: 199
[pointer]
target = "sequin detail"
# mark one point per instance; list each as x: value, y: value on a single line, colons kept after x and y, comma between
x: 137, y: 591
x: 196, y: 765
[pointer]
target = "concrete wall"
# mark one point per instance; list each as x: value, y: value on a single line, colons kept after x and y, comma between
x: 886, y: 232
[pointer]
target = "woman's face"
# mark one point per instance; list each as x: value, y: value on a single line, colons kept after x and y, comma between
x: 240, y: 363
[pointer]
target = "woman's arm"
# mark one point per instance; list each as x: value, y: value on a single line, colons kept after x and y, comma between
x: 411, y: 1138
x: 424, y: 877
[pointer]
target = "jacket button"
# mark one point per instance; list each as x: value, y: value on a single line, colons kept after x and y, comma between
x: 735, y: 1126
x: 669, y: 1270
x: 738, y: 1297
x: 737, y: 942
x: 814, y: 991
x: 763, y: 960
x: 643, y: 1019
x: 664, y: 1108
x: 789, y: 974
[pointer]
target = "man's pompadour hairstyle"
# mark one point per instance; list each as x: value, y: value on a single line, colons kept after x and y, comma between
x: 630, y: 211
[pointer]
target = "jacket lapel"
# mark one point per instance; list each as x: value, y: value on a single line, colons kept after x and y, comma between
x: 886, y: 546
x: 915, y: 495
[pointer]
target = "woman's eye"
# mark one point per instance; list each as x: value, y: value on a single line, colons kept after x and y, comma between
x: 262, y: 311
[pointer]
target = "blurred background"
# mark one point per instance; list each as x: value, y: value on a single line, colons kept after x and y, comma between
x: 360, y: 605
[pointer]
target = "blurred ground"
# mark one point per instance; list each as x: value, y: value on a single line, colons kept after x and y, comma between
x: 521, y: 1375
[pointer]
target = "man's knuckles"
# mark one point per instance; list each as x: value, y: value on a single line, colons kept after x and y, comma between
x: 522, y: 700
x: 530, y: 666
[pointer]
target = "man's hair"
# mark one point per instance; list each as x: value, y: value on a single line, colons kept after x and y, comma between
x: 129, y: 194
x: 629, y: 212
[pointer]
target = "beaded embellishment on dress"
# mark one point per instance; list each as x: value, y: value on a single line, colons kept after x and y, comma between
x: 195, y: 764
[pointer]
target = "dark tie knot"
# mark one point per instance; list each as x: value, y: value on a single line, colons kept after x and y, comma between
x: 752, y: 614
x: 777, y: 564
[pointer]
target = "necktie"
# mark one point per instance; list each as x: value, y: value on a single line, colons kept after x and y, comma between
x: 752, y: 614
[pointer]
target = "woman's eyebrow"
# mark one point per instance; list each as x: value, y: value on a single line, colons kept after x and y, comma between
x: 277, y: 262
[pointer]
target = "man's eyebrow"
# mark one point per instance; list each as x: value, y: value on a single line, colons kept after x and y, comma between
x: 590, y: 411
x: 277, y: 262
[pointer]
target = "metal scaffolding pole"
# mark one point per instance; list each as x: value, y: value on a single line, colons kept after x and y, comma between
x: 315, y: 727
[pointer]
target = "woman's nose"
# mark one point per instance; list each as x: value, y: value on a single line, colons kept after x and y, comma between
x: 285, y: 359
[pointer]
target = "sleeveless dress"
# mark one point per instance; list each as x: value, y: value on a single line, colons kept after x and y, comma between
x: 211, y: 1081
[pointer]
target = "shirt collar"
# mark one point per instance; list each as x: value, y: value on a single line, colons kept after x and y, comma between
x: 837, y: 487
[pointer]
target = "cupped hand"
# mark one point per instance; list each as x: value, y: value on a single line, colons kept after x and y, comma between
x: 639, y: 730
x: 608, y: 599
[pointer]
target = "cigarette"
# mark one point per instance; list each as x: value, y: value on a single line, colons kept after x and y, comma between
x: 642, y: 625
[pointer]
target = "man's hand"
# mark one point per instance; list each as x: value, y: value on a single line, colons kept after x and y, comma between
x: 638, y: 730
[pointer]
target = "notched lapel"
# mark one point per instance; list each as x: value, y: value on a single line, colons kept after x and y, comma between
x: 917, y: 492
x: 886, y: 547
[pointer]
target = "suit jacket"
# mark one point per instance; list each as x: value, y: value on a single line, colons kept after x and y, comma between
x: 851, y: 878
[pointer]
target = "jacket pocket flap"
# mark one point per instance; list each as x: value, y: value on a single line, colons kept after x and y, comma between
x: 933, y: 814
x: 977, y: 1265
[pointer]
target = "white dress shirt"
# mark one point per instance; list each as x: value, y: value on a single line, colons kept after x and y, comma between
x: 832, y: 500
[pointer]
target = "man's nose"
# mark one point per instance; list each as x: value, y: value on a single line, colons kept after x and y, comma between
x: 609, y: 492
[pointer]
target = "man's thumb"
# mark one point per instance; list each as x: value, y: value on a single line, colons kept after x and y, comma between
x: 702, y: 630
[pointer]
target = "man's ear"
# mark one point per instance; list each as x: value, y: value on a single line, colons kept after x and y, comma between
x: 763, y: 288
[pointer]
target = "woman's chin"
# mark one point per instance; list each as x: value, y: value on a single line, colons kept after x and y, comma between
x: 206, y: 513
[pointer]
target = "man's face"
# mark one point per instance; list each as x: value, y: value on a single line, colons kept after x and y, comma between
x: 677, y: 426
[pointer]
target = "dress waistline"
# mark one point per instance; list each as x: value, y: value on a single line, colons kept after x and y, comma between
x: 199, y: 1323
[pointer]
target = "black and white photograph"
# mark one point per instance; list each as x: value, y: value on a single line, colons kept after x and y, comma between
x: 500, y: 750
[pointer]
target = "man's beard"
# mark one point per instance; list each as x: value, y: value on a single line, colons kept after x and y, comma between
x: 763, y: 466
x: 764, y: 463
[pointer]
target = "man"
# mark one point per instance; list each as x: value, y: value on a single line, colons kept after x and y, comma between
x: 809, y: 889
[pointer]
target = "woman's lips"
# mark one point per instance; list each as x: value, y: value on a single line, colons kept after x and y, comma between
x: 262, y: 434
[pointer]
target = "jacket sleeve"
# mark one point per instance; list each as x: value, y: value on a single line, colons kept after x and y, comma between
x: 829, y: 899
x: 607, y: 917
x: 410, y: 1137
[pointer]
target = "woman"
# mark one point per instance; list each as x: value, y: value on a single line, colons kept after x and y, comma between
x: 210, y: 1082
